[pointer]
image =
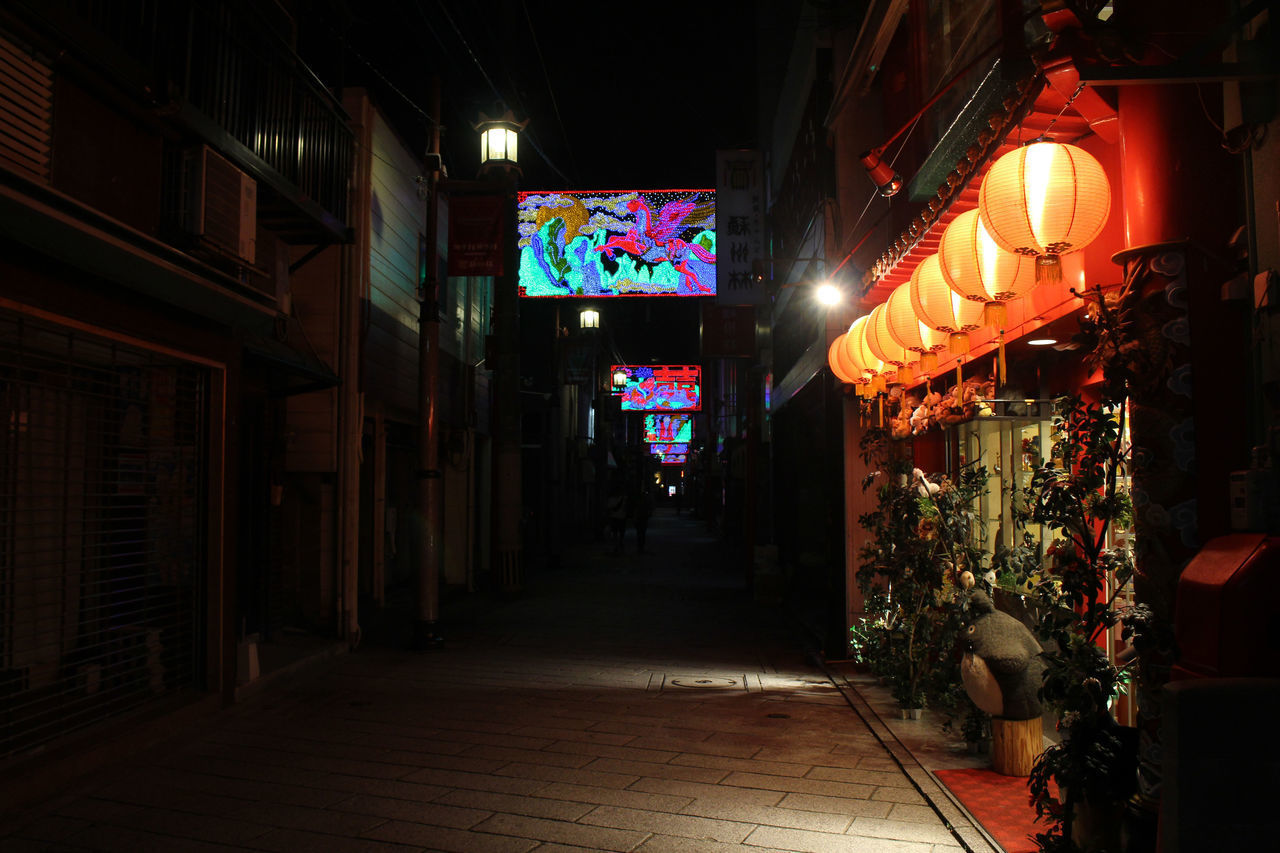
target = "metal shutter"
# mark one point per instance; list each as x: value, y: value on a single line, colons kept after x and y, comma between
x: 102, y: 539
x: 26, y: 112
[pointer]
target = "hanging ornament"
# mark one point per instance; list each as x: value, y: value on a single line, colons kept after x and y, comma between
x: 941, y: 308
x: 1045, y: 200
x: 975, y: 267
x: 905, y: 328
x: 885, y: 347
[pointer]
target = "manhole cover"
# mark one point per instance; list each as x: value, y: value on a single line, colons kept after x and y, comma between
x: 704, y: 681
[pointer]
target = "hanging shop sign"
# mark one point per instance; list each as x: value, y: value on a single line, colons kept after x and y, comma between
x: 740, y: 217
x: 475, y: 234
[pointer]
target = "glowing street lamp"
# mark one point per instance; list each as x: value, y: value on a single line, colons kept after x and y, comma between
x: 829, y: 295
x: 499, y: 141
x: 588, y: 318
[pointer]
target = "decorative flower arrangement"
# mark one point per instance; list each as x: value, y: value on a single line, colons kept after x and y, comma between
x: 911, y: 415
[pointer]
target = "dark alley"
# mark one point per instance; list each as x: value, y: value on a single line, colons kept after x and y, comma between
x: 637, y: 703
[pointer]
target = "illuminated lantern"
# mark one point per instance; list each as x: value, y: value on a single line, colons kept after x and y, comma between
x: 1045, y: 200
x: 860, y: 356
x: 941, y: 308
x: 905, y: 328
x: 975, y: 267
x: 837, y: 362
x: 885, y: 347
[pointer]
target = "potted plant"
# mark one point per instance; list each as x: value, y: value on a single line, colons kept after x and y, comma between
x: 1075, y: 592
x: 920, y: 537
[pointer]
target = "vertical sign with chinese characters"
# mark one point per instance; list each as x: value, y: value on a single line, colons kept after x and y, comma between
x: 740, y: 226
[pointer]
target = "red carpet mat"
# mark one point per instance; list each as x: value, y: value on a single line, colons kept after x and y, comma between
x: 1000, y: 803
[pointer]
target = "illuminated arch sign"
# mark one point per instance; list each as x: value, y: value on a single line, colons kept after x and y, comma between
x: 635, y: 243
x: 664, y: 450
x: 668, y: 429
x: 658, y: 387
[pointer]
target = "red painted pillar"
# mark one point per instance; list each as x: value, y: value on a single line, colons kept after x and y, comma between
x: 1180, y: 201
x: 1179, y: 186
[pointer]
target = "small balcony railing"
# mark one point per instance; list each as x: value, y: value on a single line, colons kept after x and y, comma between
x: 225, y: 67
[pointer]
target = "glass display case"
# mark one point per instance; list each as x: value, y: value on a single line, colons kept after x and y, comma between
x: 1012, y: 441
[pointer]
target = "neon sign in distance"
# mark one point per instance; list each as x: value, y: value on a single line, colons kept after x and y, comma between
x: 664, y: 449
x: 668, y: 429
x: 634, y: 243
x: 674, y: 459
x: 659, y: 387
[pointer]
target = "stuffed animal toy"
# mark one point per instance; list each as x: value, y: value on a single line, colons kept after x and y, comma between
x: 1001, y: 668
x: 923, y: 417
x: 920, y: 419
x: 901, y: 423
x: 947, y: 412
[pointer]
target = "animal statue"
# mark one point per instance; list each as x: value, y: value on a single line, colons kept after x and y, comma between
x: 1001, y: 668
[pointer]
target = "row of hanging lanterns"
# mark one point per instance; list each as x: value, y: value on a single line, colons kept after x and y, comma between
x: 1036, y: 203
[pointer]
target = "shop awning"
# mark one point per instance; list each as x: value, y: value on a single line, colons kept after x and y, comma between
x: 291, y: 366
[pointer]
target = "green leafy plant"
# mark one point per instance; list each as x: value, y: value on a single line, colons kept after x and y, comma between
x: 1076, y: 589
x: 920, y: 542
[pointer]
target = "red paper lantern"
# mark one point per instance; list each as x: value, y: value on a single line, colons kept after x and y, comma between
x: 905, y: 328
x: 977, y: 268
x: 883, y: 345
x: 861, y: 356
x: 1045, y: 200
x: 837, y: 362
x: 941, y: 308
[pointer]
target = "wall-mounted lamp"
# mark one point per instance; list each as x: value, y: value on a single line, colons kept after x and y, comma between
x: 828, y: 294
x: 888, y: 182
x: 588, y: 318
x: 619, y: 379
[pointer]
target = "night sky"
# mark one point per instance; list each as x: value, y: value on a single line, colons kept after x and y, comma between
x: 617, y: 95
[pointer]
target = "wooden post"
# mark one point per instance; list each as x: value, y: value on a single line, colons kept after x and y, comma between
x: 1015, y: 745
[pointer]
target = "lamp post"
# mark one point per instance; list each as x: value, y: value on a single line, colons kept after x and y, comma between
x: 430, y: 477
x: 498, y: 152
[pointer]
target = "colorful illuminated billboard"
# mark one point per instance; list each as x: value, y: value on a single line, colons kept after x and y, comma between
x: 668, y: 429
x: 635, y: 243
x: 673, y: 459
x: 658, y: 387
x: 666, y: 449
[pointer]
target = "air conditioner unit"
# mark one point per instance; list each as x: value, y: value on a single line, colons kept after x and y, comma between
x: 221, y: 204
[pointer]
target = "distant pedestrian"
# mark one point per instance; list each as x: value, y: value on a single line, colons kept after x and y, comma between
x: 617, y: 510
x: 643, y: 509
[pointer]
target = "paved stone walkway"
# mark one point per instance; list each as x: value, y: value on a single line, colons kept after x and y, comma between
x: 633, y: 703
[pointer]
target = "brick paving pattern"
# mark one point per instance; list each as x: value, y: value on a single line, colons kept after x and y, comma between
x: 636, y: 703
